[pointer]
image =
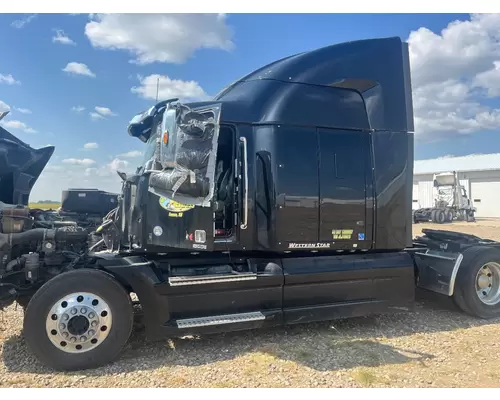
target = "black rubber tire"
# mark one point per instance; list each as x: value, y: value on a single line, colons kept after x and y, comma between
x: 464, y: 294
x: 433, y: 216
x: 440, y: 216
x: 449, y: 216
x: 92, y: 281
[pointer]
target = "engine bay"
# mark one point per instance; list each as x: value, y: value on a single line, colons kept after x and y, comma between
x: 35, y: 245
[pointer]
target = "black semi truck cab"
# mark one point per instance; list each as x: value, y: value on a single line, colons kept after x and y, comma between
x: 311, y: 152
x: 285, y: 199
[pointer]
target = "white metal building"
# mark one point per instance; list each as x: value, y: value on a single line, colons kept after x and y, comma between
x: 478, y: 174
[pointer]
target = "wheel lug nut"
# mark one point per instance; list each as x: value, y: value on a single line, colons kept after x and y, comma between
x: 91, y: 332
x: 83, y: 310
x: 94, y: 323
x: 73, y: 311
x: 65, y: 317
x: 91, y: 315
x: 65, y: 335
x: 83, y: 339
x: 62, y: 326
x: 73, y: 339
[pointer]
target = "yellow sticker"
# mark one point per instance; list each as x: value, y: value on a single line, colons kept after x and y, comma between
x: 342, y: 234
x: 174, y: 206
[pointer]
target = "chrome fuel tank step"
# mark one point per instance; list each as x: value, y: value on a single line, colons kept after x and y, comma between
x: 220, y: 320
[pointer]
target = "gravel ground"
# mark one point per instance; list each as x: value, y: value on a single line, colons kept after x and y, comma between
x: 434, y: 346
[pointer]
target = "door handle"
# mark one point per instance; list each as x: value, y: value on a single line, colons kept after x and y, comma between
x: 244, y: 224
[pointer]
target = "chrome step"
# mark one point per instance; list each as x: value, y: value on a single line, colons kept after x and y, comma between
x: 201, y: 280
x: 220, y: 320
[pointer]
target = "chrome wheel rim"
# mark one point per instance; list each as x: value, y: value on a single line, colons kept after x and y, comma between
x: 78, y: 322
x: 488, y: 283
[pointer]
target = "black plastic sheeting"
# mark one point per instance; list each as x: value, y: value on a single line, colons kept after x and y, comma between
x: 188, y: 157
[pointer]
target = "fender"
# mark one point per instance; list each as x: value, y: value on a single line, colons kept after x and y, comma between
x: 437, y: 270
x: 140, y: 276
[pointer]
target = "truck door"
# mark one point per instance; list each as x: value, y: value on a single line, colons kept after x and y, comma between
x: 180, y: 206
x: 344, y: 166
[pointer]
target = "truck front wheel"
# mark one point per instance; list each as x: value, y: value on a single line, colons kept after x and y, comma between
x: 477, y: 288
x: 78, y: 320
x: 449, y: 216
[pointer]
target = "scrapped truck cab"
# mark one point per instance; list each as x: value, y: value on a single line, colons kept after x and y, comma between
x: 312, y: 152
x: 285, y: 199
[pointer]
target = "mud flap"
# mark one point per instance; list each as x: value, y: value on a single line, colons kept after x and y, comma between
x: 437, y: 270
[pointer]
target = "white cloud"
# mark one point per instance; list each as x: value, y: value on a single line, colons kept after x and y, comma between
x: 8, y: 79
x: 108, y: 170
x: 4, y: 106
x: 75, y: 68
x: 50, y: 167
x: 101, y: 113
x: 91, y: 145
x: 72, y: 172
x: 23, y: 110
x: 15, y: 124
x: 167, y: 38
x: 118, y: 165
x: 78, y: 109
x: 105, y: 111
x: 79, y: 161
x: 62, y: 38
x: 452, y: 74
x: 168, y: 88
x: 95, y: 116
x: 90, y: 171
x: 131, y: 154
x: 58, y: 177
x: 490, y: 80
x: 21, y: 23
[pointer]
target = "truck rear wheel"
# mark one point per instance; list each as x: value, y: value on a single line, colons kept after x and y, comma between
x: 433, y: 215
x: 440, y: 217
x: 477, y: 288
x: 78, y: 320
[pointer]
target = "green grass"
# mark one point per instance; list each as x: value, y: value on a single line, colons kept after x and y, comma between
x: 365, y: 378
x: 45, y: 206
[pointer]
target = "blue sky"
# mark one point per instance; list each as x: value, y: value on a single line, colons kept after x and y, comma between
x: 111, y: 62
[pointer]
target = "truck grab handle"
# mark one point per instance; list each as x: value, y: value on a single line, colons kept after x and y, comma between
x: 245, y: 177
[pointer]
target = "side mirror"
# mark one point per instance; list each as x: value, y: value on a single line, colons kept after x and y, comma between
x: 122, y: 175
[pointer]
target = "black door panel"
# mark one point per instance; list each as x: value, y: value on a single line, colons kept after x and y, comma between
x: 343, y: 188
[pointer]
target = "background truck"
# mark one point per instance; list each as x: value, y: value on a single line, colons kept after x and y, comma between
x: 285, y: 199
x: 450, y: 202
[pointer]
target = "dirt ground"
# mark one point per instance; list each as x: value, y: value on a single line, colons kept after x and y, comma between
x: 486, y: 228
x: 434, y: 346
